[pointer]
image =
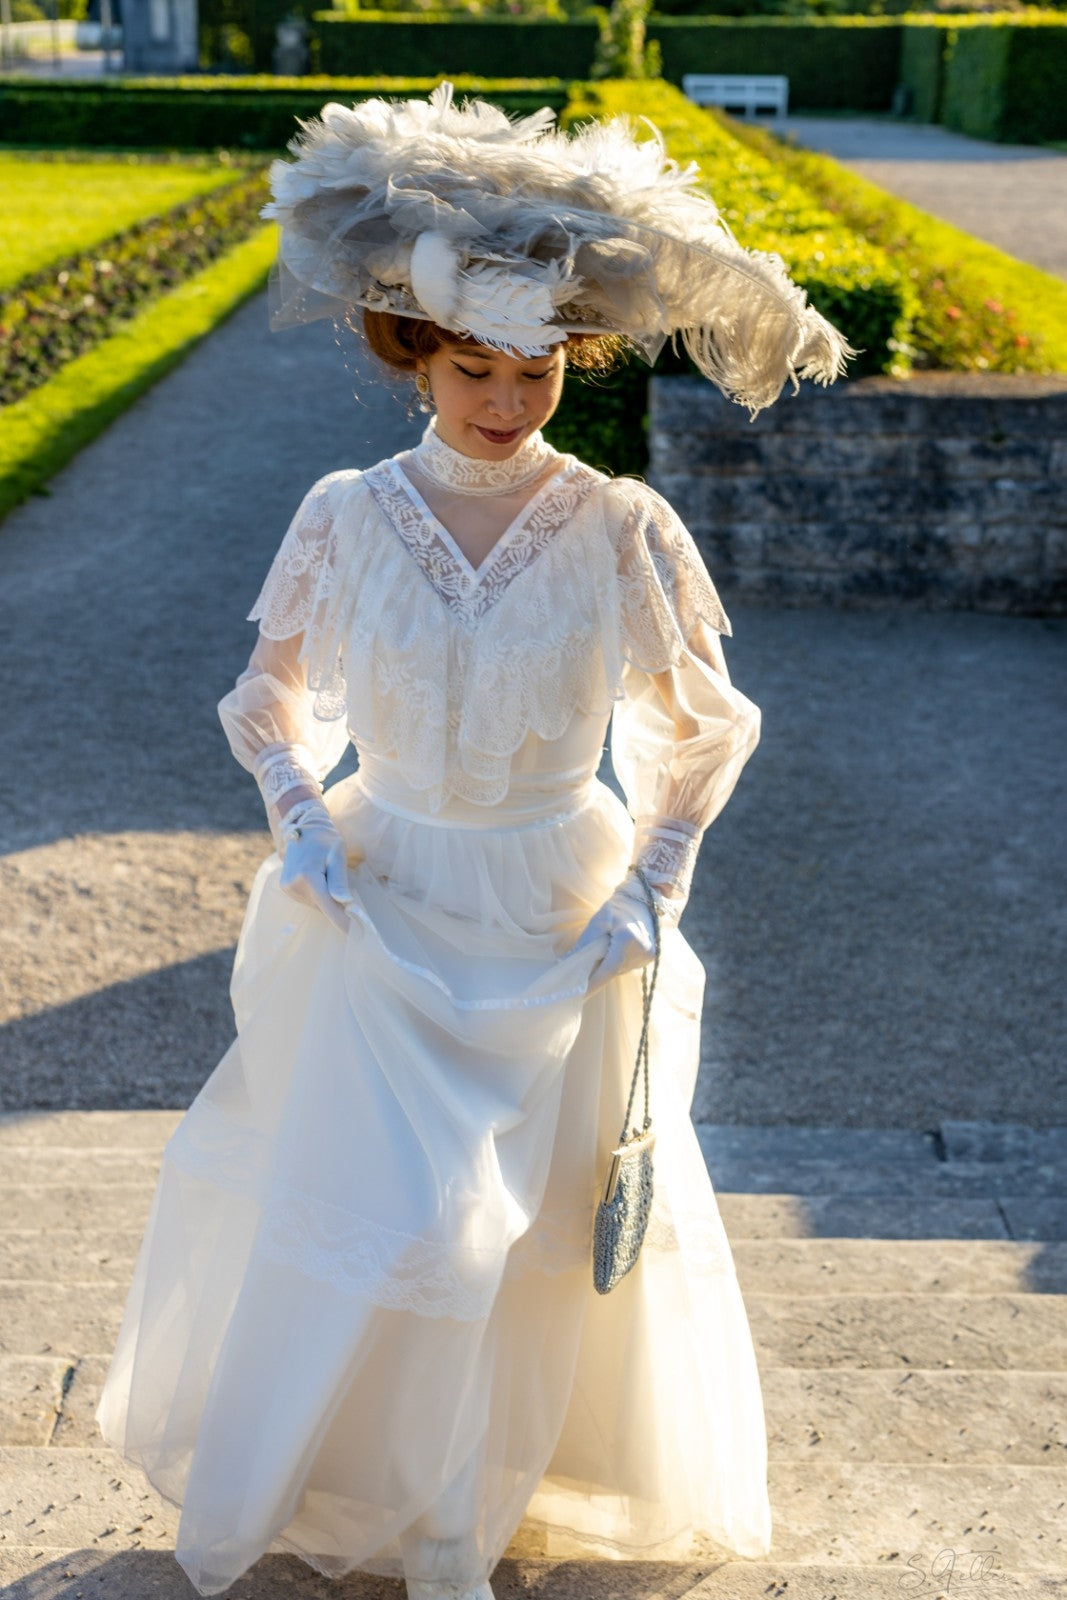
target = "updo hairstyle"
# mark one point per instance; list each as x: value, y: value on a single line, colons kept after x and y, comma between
x: 402, y: 342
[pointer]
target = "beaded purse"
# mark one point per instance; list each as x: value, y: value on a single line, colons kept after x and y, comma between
x: 622, y: 1215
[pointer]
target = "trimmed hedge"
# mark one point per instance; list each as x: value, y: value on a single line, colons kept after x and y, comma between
x: 978, y: 309
x: 847, y: 278
x: 832, y: 63
x: 922, y: 53
x: 1007, y: 80
x: 401, y: 42
x: 57, y: 314
x: 994, y: 76
x: 212, y: 113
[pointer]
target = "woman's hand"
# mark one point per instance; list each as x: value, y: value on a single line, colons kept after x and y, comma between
x: 631, y: 930
x: 315, y: 864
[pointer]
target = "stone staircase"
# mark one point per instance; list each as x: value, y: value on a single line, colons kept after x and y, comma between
x: 908, y: 1299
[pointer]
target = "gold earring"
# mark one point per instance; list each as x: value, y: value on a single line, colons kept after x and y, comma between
x: 422, y: 384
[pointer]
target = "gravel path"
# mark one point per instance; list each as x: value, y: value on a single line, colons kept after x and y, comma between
x: 880, y: 907
x: 1013, y: 196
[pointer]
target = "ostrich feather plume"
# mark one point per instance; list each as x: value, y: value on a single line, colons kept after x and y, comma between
x: 517, y: 234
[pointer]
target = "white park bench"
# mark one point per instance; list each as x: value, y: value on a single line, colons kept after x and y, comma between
x: 734, y: 92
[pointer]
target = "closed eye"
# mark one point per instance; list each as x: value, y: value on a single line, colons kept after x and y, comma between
x: 534, y: 377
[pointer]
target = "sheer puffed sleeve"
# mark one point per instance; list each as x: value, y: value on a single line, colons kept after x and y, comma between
x: 284, y: 718
x: 682, y: 732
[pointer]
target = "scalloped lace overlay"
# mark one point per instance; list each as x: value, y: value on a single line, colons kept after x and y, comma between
x: 467, y: 592
x: 400, y: 1271
x: 446, y: 668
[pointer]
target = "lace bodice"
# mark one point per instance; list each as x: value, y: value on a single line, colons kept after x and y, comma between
x: 592, y: 598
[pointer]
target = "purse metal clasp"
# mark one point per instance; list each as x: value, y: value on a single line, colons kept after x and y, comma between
x: 632, y: 1147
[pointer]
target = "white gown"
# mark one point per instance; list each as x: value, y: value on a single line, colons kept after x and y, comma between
x: 362, y: 1324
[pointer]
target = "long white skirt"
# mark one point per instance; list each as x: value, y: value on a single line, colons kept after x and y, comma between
x: 362, y: 1324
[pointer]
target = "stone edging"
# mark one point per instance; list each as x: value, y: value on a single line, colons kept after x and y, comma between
x: 945, y: 491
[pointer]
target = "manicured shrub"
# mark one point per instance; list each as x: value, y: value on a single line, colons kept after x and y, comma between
x: 850, y: 281
x: 1004, y: 79
x: 427, y: 44
x: 832, y: 63
x: 977, y: 309
x: 922, y: 51
x: 442, y: 43
x: 208, y: 113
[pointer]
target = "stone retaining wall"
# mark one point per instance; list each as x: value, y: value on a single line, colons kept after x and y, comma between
x: 945, y: 491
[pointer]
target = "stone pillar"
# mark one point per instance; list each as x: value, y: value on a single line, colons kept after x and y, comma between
x: 160, y: 36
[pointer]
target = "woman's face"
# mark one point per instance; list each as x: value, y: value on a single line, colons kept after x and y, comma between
x: 488, y: 403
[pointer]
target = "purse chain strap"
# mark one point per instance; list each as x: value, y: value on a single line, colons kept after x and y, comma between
x: 648, y: 986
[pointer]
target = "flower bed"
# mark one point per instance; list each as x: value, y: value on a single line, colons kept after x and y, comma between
x: 40, y: 433
x: 62, y: 205
x: 976, y: 309
x: 62, y: 311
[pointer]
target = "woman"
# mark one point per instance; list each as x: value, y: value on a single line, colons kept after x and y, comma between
x: 363, y: 1325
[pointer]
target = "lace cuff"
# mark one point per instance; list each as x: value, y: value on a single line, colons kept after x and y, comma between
x: 665, y: 848
x: 280, y: 770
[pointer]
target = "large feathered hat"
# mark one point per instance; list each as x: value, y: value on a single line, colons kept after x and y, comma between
x: 518, y: 235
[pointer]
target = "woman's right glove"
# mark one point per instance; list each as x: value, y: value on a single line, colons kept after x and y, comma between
x: 315, y: 863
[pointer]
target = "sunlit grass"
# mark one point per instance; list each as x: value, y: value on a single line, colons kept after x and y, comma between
x: 41, y: 433
x: 50, y: 209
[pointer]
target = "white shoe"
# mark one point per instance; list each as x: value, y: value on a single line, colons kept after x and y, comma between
x: 420, y: 1590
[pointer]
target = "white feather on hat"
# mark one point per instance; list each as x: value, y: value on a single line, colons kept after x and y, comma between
x: 517, y: 235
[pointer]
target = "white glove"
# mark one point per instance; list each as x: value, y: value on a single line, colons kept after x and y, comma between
x: 315, y: 864
x: 631, y: 929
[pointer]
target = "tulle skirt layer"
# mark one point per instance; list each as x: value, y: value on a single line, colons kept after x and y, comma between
x: 362, y: 1324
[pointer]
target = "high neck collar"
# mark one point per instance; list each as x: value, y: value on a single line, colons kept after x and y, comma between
x: 453, y: 470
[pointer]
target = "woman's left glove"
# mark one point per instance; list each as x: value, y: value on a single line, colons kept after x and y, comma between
x: 315, y: 863
x: 630, y: 926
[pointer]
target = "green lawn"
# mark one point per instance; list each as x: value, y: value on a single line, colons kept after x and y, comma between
x: 55, y: 208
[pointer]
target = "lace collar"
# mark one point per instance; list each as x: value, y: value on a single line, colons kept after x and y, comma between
x: 453, y: 470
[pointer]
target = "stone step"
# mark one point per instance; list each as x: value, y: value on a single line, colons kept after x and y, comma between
x: 903, y: 1216
x: 832, y: 1330
x: 134, y: 1574
x: 65, y: 1320
x: 788, y: 1266
x: 44, y: 1206
x: 75, y: 1255
x: 746, y: 1216
x: 97, y: 1130
x: 1004, y: 1142
x: 912, y: 1266
x: 864, y: 1513
x: 916, y: 1416
x: 79, y: 1168
x: 937, y: 1180
x: 845, y: 1414
x: 891, y: 1330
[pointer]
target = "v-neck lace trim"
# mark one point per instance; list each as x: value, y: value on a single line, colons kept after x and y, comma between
x: 469, y: 592
x: 453, y: 470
